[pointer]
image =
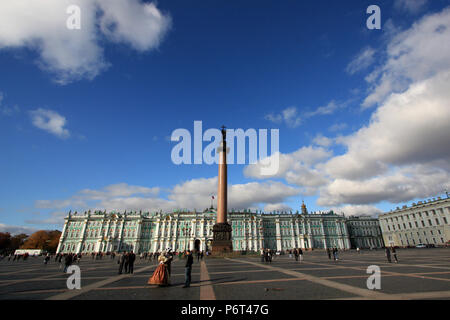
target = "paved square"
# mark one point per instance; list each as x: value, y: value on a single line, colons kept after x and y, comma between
x: 420, y: 274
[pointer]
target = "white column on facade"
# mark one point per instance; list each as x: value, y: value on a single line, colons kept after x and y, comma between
x: 63, y: 235
x: 254, y: 235
x: 108, y: 243
x: 137, y: 241
x: 293, y: 242
x: 298, y: 238
x: 261, y: 234
x: 122, y: 226
x: 156, y: 236
x: 249, y: 234
x: 169, y: 233
x: 278, y: 234
x: 193, y: 234
x: 309, y: 236
x: 345, y: 232
x: 81, y: 237
x: 322, y: 231
x: 202, y: 234
x: 339, y: 234
x: 175, y: 236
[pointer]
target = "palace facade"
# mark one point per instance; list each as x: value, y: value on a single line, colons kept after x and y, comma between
x: 153, y: 232
x: 365, y: 232
x: 425, y: 222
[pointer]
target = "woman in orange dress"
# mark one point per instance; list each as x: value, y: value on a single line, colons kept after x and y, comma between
x: 161, y: 274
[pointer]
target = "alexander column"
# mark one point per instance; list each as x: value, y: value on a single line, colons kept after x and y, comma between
x: 222, y: 230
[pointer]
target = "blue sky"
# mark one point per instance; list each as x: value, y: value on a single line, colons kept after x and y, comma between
x: 302, y: 67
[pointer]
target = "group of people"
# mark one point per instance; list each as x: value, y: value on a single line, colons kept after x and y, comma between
x: 161, y: 276
x: 126, y: 261
x: 391, y: 252
x: 266, y: 255
x: 297, y: 254
x: 335, y: 252
x: 17, y: 257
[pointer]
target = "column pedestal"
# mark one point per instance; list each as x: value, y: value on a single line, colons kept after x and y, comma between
x: 221, y: 242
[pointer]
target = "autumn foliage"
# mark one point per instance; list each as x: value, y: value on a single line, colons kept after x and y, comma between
x: 10, y: 243
x: 45, y: 240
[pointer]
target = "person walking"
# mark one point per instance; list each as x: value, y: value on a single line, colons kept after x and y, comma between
x: 388, y: 255
x: 131, y: 259
x: 121, y: 262
x: 47, y: 258
x: 329, y: 253
x: 394, y: 253
x: 335, y: 254
x: 296, y: 254
x: 188, y: 270
x: 169, y: 257
x: 67, y: 262
x: 127, y: 261
x: 300, y: 254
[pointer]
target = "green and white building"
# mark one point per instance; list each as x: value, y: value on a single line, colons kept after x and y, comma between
x: 365, y: 232
x: 152, y: 232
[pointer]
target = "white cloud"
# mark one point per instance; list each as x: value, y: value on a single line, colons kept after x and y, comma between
x: 75, y: 54
x: 323, y: 141
x: 338, y: 127
x: 277, y: 207
x: 410, y: 6
x: 50, y: 121
x: 330, y: 108
x: 398, y: 186
x: 412, y: 55
x: 13, y: 230
x: 192, y: 194
x: 118, y: 190
x: 357, y: 210
x: 301, y: 168
x: 85, y: 197
x: 5, y: 110
x: 362, y: 61
x: 289, y: 116
x: 409, y: 128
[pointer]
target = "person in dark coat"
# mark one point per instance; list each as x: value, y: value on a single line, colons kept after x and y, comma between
x: 169, y: 256
x: 121, y: 262
x: 329, y: 253
x: 296, y: 254
x: 188, y: 269
x: 131, y: 258
x: 394, y: 253
x: 388, y: 254
x: 127, y: 256
x: 68, y: 261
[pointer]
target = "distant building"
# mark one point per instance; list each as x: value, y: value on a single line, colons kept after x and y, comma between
x: 152, y: 232
x: 364, y: 232
x: 425, y: 222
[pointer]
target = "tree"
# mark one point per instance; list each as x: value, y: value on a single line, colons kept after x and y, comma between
x: 5, y: 241
x: 17, y: 241
x: 42, y: 239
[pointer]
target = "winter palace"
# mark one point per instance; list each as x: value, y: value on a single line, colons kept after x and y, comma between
x: 152, y: 232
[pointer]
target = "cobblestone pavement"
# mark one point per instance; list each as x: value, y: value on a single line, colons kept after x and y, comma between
x: 420, y: 274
